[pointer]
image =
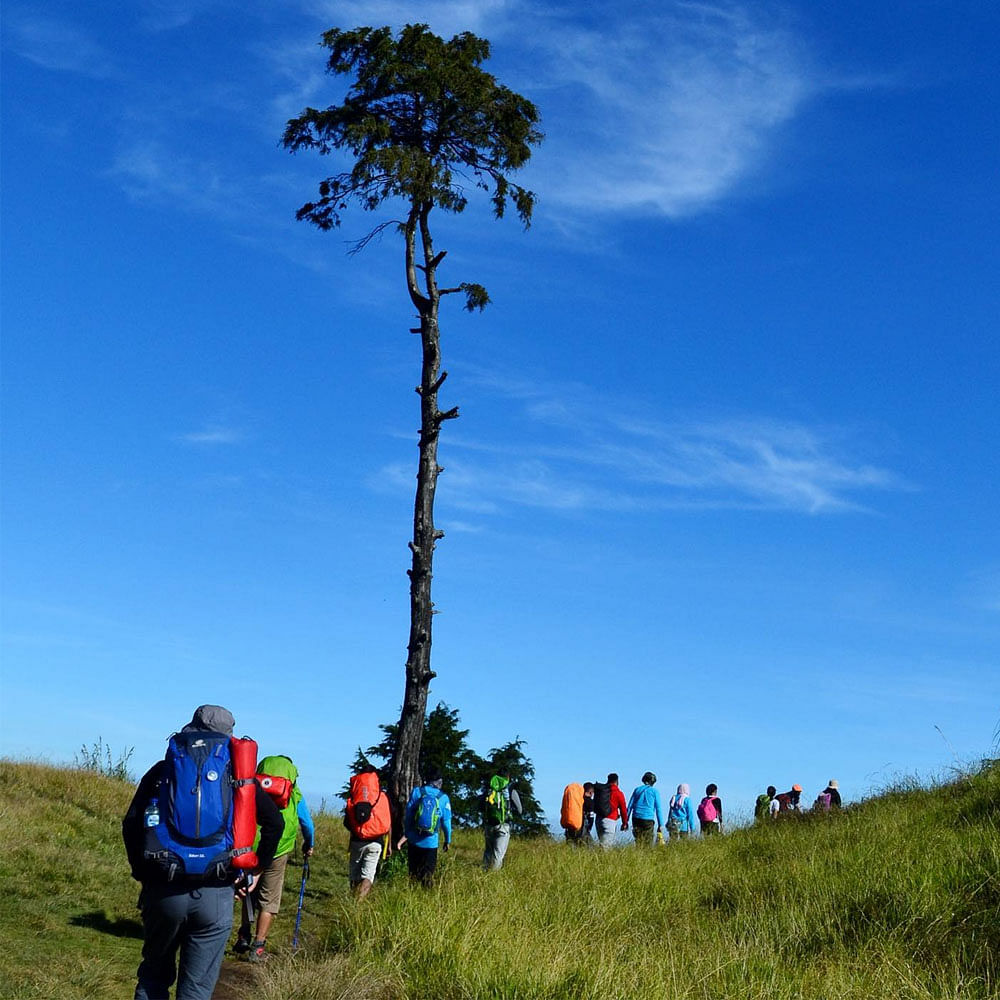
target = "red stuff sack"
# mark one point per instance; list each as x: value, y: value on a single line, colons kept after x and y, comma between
x: 243, y: 753
x: 280, y: 789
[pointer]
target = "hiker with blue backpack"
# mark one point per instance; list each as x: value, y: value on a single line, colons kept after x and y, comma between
x: 189, y: 834
x: 500, y: 802
x: 681, y: 819
x: 428, y: 815
x: 646, y: 811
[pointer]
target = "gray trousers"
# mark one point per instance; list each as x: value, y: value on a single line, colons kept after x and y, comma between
x: 194, y: 922
x: 607, y: 831
x: 497, y: 840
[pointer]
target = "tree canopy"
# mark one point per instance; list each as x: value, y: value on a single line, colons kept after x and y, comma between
x: 465, y: 772
x: 423, y: 121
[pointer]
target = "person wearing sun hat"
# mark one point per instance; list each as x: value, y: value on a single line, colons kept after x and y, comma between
x: 788, y: 802
x: 833, y: 790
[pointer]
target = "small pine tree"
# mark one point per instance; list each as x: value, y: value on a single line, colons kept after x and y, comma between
x: 511, y: 759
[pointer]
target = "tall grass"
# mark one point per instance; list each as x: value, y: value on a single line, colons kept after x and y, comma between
x: 98, y: 759
x: 897, y: 898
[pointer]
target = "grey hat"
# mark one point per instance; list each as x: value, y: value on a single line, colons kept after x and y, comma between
x: 212, y: 719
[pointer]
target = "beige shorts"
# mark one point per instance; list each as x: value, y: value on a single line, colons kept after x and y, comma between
x: 364, y: 860
x: 268, y: 889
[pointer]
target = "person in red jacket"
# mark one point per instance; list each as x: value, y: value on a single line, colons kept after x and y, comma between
x: 609, y: 801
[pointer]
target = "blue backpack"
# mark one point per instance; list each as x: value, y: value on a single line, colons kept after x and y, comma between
x: 428, y: 813
x: 189, y: 825
x: 677, y: 816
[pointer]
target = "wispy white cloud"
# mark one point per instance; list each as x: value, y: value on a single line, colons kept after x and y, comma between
x: 166, y: 15
x: 568, y: 450
x: 148, y: 170
x: 671, y: 108
x: 212, y: 435
x: 56, y: 44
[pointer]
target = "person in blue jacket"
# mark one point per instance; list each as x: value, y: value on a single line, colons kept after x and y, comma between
x: 428, y: 813
x: 645, y: 811
x: 682, y: 820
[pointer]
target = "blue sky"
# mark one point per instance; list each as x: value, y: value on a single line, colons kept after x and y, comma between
x: 722, y: 498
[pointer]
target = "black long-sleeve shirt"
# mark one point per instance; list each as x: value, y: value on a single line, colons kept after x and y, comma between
x: 133, y: 832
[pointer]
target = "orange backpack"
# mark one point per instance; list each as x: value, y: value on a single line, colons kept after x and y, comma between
x: 571, y: 814
x: 367, y: 814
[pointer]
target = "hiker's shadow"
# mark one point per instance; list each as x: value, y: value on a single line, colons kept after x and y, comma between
x: 98, y: 921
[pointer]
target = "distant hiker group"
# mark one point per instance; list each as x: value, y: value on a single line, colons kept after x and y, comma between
x: 772, y: 804
x: 601, y: 805
x: 210, y: 823
x: 426, y: 819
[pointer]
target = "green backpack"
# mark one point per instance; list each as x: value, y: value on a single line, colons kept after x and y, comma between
x: 497, y: 801
x: 762, y: 808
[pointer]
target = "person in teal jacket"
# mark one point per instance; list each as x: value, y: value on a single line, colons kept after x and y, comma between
x: 428, y: 814
x: 645, y: 811
x: 266, y: 896
x: 682, y: 820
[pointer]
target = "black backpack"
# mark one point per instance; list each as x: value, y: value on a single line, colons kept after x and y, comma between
x: 602, y: 800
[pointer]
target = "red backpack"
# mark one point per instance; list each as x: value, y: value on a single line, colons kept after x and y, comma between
x: 367, y: 814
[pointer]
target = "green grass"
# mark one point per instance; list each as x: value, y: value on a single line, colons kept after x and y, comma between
x: 897, y: 897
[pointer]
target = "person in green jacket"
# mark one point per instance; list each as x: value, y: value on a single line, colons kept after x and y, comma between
x: 266, y: 896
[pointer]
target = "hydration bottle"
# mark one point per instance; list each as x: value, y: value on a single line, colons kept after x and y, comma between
x: 151, y: 817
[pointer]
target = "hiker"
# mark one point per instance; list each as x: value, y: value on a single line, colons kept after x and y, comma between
x: 572, y: 814
x: 609, y: 804
x: 788, y: 802
x: 188, y: 885
x: 710, y: 812
x: 766, y: 807
x: 646, y: 811
x: 368, y: 818
x: 278, y: 776
x: 589, y: 815
x: 681, y: 819
x: 427, y: 813
x: 499, y: 801
x: 829, y: 798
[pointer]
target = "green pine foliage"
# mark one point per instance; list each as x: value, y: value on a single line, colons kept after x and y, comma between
x: 896, y: 897
x: 465, y: 773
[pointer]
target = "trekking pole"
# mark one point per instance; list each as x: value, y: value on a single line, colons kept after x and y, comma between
x: 302, y: 896
x: 247, y: 900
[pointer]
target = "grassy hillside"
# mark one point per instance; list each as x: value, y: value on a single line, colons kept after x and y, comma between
x: 897, y: 897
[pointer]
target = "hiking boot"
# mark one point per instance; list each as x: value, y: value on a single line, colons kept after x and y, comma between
x: 243, y: 943
x: 256, y: 952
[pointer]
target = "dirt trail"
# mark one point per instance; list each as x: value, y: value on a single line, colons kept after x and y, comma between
x: 236, y: 981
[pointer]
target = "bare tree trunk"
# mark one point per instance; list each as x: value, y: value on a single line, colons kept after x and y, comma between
x: 404, y: 768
